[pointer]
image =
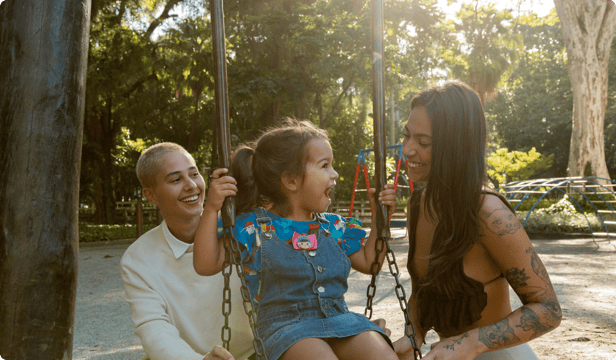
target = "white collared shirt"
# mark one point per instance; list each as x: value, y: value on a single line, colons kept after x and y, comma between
x: 176, y: 312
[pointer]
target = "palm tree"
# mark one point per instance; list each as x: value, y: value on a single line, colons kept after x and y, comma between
x: 489, y: 50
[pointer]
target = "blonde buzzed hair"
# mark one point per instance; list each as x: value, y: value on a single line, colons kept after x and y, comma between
x: 148, y: 164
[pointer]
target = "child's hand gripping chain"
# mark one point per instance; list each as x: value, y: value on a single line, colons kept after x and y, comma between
x: 209, y: 252
x: 363, y: 259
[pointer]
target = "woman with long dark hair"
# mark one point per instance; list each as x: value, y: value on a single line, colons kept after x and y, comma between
x: 466, y: 246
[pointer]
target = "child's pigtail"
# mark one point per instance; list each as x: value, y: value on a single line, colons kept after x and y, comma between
x: 241, y: 170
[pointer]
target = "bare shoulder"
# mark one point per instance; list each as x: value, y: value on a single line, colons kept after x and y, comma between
x: 497, y: 219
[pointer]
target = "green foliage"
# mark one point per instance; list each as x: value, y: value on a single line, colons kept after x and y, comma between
x: 490, y: 49
x: 507, y: 166
x: 560, y: 217
x: 91, y: 233
x: 534, y: 106
x: 564, y: 206
x: 151, y: 77
x: 125, y: 156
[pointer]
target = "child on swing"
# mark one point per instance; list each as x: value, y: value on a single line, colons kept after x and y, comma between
x: 297, y: 257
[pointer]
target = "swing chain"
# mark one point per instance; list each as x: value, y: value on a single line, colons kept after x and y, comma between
x: 232, y: 249
x: 409, y: 328
x: 227, y: 269
x: 374, y: 270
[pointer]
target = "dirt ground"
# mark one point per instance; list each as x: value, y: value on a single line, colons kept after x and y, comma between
x: 583, y: 273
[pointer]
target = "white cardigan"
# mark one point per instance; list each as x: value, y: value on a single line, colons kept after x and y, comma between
x: 176, y: 312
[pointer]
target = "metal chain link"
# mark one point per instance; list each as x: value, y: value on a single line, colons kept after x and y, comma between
x: 227, y: 269
x: 374, y: 270
x: 233, y: 255
x: 382, y: 242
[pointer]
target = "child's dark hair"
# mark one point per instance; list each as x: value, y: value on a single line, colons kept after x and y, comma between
x: 258, y: 166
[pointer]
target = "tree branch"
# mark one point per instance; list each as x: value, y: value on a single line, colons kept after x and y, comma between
x: 346, y: 87
x: 569, y: 24
x: 606, y: 33
x: 159, y: 20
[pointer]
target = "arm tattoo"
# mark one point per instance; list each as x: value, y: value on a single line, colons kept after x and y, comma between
x: 456, y: 342
x: 530, y: 295
x: 516, y: 277
x: 538, y: 267
x: 554, y: 313
x: 497, y: 335
x: 500, y: 221
x: 530, y: 321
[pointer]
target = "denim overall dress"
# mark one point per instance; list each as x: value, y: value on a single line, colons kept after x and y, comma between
x: 302, y: 291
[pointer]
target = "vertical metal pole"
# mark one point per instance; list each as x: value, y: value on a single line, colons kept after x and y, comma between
x: 43, y: 63
x: 378, y: 107
x: 222, y: 102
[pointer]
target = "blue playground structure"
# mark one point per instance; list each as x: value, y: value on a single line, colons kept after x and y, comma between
x: 598, y: 193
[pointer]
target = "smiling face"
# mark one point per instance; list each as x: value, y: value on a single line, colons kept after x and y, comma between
x: 303, y: 243
x: 312, y: 192
x: 179, y: 188
x: 417, y: 144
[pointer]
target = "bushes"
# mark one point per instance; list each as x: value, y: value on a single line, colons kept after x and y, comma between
x: 91, y: 233
x: 560, y: 217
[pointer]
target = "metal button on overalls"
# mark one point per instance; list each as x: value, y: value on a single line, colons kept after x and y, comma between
x: 312, y: 253
x: 320, y: 269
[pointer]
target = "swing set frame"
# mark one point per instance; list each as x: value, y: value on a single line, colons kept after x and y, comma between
x: 228, y: 211
x: 361, y: 164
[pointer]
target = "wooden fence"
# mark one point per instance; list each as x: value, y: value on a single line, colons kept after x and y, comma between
x: 126, y: 211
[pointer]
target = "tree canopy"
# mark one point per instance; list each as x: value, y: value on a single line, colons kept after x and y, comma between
x: 150, y: 79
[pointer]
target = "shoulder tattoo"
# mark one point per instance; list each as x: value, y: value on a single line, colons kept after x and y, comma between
x: 497, y: 335
x: 500, y: 221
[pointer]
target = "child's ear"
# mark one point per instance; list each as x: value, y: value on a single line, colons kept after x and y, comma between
x: 150, y: 195
x: 290, y: 182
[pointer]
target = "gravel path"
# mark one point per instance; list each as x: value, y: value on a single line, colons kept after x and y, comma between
x: 103, y: 329
x: 582, y: 272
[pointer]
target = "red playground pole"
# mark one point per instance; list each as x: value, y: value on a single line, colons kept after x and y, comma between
x: 367, y: 178
x: 354, y: 188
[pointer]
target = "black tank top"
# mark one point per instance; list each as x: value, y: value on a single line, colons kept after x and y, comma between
x: 435, y: 309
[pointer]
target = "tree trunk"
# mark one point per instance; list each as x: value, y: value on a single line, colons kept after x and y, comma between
x: 43, y: 56
x: 588, y: 27
x: 100, y: 130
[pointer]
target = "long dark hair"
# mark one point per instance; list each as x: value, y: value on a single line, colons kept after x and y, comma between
x: 453, y: 193
x: 258, y: 166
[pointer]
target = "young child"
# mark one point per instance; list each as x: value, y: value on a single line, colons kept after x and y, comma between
x: 297, y: 257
